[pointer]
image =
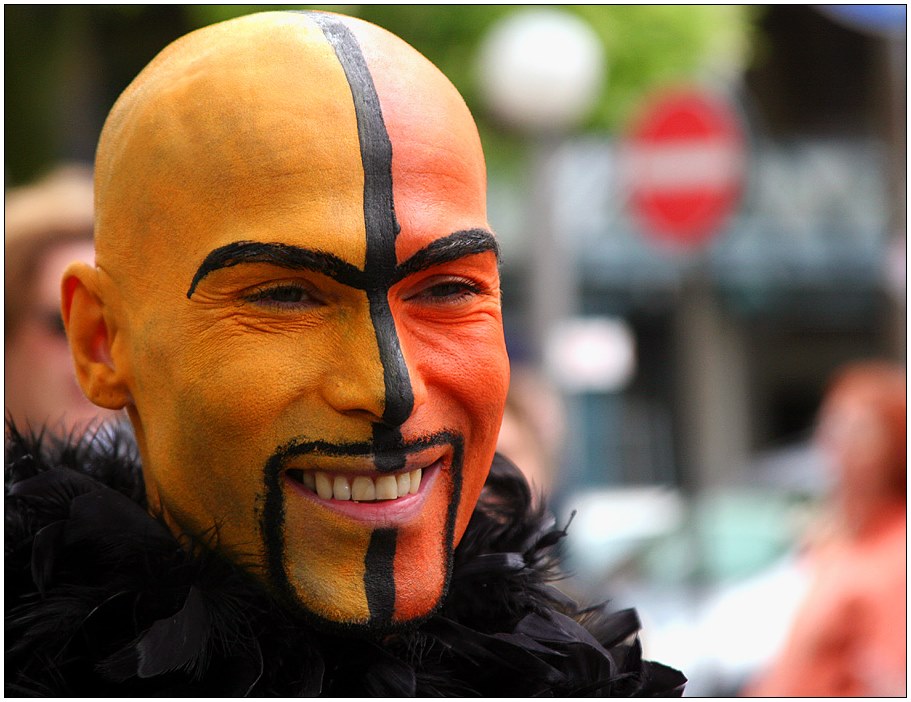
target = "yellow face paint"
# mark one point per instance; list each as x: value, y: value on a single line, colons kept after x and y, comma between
x: 306, y: 295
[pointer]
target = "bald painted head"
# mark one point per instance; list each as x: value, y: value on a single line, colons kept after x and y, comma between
x: 296, y: 297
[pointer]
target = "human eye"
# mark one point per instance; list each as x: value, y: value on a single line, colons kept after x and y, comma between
x: 448, y: 290
x: 283, y: 296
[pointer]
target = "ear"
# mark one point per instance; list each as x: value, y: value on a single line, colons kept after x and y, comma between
x: 91, y: 337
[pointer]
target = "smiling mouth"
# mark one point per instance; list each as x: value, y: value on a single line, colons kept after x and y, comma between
x: 350, y: 478
x: 358, y: 488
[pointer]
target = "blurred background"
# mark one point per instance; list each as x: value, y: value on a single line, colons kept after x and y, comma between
x: 702, y: 214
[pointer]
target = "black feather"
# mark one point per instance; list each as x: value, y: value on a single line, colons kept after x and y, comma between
x: 44, y: 547
x: 179, y: 642
x: 103, y: 601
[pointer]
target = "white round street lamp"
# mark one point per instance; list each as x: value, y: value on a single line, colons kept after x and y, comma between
x: 541, y: 70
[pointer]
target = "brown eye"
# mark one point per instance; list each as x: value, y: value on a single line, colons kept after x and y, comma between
x: 286, y: 296
x: 448, y: 291
x: 288, y: 293
x: 54, y: 323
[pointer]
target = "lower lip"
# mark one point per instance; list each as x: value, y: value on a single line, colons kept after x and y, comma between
x: 381, y: 513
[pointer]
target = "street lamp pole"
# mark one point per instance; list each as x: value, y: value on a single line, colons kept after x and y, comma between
x: 541, y: 71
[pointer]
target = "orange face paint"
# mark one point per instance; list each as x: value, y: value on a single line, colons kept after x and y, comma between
x: 306, y: 292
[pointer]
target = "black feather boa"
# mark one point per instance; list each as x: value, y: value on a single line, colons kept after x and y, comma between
x: 102, y: 601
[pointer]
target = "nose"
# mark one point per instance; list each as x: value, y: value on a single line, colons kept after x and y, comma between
x: 369, y: 375
x: 398, y: 393
x: 354, y: 379
x: 353, y: 390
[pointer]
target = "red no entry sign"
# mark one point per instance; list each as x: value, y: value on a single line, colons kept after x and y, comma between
x: 684, y: 164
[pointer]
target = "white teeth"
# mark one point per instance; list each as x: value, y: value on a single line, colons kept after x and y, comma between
x: 386, y: 488
x: 341, y: 490
x: 309, y: 480
x: 361, y: 488
x: 402, y: 483
x: 323, y: 486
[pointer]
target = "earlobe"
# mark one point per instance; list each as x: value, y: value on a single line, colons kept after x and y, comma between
x: 91, y: 337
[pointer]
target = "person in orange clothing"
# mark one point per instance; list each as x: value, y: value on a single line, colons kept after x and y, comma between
x: 849, y: 637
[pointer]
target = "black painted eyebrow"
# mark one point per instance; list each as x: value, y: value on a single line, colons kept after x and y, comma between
x: 450, y: 248
x: 283, y: 255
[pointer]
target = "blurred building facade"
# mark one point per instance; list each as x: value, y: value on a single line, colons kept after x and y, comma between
x: 735, y: 341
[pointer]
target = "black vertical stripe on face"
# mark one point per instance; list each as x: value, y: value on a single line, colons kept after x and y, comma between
x: 379, y: 270
x: 379, y: 578
x: 379, y: 575
x: 379, y: 217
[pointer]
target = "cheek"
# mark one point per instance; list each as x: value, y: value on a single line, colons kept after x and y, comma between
x: 856, y: 443
x: 210, y: 415
x: 40, y: 381
x: 468, y: 367
x: 465, y: 370
x: 229, y: 383
x: 33, y: 348
x: 861, y: 459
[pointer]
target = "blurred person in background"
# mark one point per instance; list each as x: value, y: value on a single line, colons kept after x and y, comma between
x: 849, y: 636
x: 48, y: 224
x: 532, y: 431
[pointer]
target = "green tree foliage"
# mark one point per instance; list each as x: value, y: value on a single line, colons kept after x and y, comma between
x: 646, y: 45
x: 61, y: 57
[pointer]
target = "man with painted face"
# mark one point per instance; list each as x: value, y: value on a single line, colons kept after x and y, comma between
x: 296, y: 298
